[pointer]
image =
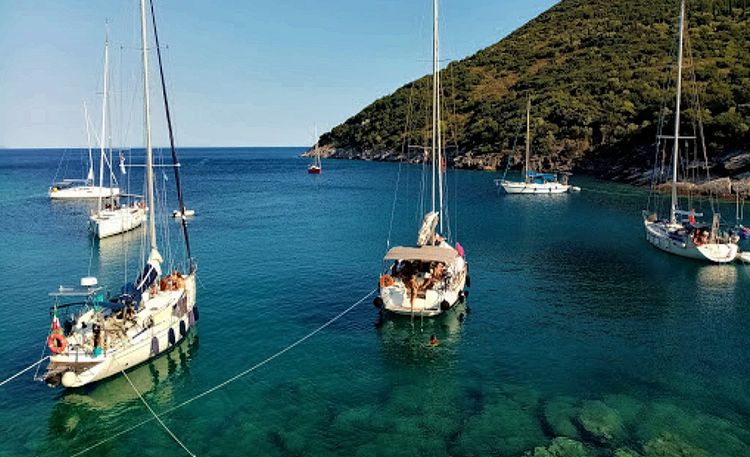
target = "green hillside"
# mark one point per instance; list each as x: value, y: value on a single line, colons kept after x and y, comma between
x: 596, y: 71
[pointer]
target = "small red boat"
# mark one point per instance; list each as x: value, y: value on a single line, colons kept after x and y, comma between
x: 314, y: 169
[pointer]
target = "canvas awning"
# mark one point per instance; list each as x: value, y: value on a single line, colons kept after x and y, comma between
x: 423, y: 253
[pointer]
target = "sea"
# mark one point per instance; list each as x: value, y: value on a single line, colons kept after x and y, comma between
x: 578, y: 338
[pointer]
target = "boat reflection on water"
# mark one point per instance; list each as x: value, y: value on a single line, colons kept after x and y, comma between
x: 408, y: 338
x: 718, y: 280
x: 104, y: 405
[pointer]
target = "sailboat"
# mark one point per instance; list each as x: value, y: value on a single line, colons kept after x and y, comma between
x: 316, y: 167
x: 83, y: 189
x: 682, y: 234
x: 534, y: 182
x: 428, y: 278
x: 103, y: 335
x: 111, y: 218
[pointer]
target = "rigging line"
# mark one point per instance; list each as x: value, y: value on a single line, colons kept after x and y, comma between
x: 175, y: 161
x: 24, y: 370
x: 404, y: 150
x: 233, y: 378
x: 145, y: 403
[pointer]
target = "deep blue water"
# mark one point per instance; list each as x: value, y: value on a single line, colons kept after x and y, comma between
x: 577, y: 327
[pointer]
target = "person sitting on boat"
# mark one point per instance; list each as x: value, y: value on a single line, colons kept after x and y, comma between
x: 438, y: 272
x: 96, y: 329
x: 436, y: 275
x: 691, y: 216
x: 130, y: 312
x: 177, y: 281
x: 697, y: 237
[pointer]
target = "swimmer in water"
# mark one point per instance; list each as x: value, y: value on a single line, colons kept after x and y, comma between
x: 434, y: 341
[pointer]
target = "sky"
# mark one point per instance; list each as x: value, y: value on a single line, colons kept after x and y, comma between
x: 239, y: 72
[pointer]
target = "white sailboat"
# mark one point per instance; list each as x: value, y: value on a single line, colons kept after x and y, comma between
x: 428, y: 278
x: 86, y: 189
x: 682, y: 234
x: 534, y: 182
x: 110, y: 217
x: 100, y: 337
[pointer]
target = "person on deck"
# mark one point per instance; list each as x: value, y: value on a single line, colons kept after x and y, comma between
x: 413, y: 288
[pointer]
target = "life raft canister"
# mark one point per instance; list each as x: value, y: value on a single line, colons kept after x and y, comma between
x: 386, y: 281
x: 57, y: 343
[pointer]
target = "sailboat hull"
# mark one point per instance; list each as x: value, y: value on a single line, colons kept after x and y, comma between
x: 108, y: 223
x: 431, y: 302
x: 396, y: 300
x: 658, y: 234
x: 314, y: 170
x: 172, y: 320
x: 83, y: 193
x: 514, y: 187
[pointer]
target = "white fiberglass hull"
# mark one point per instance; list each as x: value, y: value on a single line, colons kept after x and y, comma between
x: 77, y: 367
x: 397, y: 299
x: 514, y: 187
x: 83, y: 193
x: 111, y: 222
x: 657, y: 233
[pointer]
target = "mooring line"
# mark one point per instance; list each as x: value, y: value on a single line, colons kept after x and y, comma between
x: 24, y: 370
x: 174, y: 437
x: 233, y: 378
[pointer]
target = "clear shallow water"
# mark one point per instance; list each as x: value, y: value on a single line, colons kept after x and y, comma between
x: 577, y: 327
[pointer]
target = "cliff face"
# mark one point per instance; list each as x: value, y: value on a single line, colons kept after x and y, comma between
x: 597, y: 73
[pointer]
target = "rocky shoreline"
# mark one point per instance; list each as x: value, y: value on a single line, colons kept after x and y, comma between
x: 732, y: 170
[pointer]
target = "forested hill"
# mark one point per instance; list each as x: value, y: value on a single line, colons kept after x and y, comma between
x: 596, y: 71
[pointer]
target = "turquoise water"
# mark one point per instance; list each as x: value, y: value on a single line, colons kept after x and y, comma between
x: 577, y: 327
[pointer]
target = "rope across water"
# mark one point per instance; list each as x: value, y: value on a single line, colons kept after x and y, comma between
x: 233, y: 378
x: 174, y: 437
x: 24, y: 370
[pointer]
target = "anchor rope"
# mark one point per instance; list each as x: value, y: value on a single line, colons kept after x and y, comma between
x: 24, y: 370
x: 158, y: 419
x: 233, y: 378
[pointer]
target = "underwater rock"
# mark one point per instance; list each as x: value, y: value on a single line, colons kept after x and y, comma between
x: 503, y: 427
x: 624, y: 452
x: 628, y: 408
x: 561, y: 447
x: 601, y: 422
x: 560, y: 414
x: 719, y: 436
x: 669, y: 445
x: 71, y: 423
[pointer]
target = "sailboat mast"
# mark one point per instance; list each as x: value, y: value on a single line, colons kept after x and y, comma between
x: 438, y: 127
x: 90, y: 175
x: 147, y: 126
x: 317, y: 152
x: 675, y: 152
x: 434, y: 93
x: 175, y: 160
x: 103, y: 139
x: 528, y: 140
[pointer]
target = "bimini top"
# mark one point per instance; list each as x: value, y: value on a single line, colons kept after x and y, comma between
x: 424, y: 254
x: 545, y: 176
